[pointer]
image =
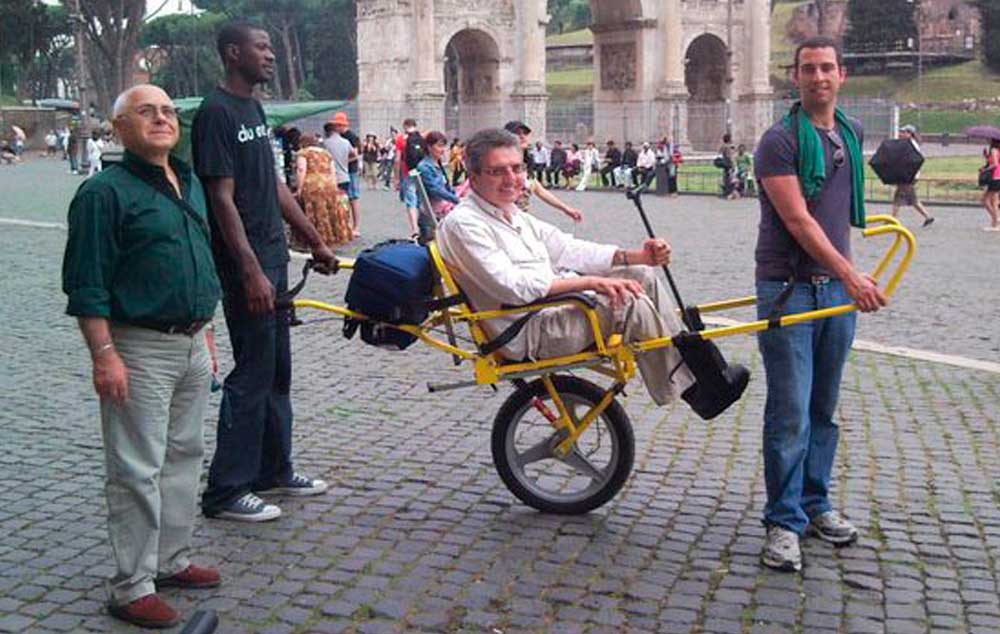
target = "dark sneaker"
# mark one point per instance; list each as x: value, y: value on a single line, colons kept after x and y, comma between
x: 192, y: 577
x: 148, y: 611
x: 832, y: 528
x: 928, y: 222
x: 781, y: 550
x: 248, y: 508
x: 299, y: 485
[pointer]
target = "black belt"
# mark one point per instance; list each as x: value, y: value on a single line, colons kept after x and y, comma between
x: 190, y: 328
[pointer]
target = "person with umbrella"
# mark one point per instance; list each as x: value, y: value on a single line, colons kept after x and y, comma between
x: 989, y: 175
x: 906, y: 193
x: 991, y: 197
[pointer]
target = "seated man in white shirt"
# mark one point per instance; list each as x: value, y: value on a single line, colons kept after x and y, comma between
x: 500, y: 255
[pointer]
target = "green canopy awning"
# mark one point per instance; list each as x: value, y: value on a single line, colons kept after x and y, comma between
x: 277, y: 114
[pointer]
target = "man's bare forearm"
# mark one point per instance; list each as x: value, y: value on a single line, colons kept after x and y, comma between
x: 233, y: 233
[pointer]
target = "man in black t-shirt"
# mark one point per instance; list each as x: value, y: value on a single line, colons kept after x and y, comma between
x: 247, y: 200
x: 612, y: 160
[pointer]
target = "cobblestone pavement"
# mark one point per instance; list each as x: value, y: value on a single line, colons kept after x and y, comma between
x: 419, y: 534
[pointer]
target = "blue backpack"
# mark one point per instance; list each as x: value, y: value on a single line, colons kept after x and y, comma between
x: 392, y: 283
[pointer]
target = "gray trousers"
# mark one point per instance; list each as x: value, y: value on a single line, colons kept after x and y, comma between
x: 564, y: 330
x: 153, y: 447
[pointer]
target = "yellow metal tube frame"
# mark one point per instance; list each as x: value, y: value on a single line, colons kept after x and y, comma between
x: 882, y: 225
x: 612, y: 357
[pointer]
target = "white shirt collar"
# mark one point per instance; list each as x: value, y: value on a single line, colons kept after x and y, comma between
x: 506, y: 215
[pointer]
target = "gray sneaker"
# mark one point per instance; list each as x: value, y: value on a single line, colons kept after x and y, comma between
x: 248, y: 508
x: 781, y: 550
x: 832, y: 528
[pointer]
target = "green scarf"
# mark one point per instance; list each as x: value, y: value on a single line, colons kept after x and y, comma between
x: 811, y: 163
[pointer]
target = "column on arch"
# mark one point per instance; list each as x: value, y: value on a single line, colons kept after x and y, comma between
x: 529, y: 98
x: 425, y: 96
x: 756, y: 102
x: 671, y: 94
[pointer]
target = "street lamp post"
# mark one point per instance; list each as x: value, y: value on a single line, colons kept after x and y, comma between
x: 729, y: 68
x: 83, y: 130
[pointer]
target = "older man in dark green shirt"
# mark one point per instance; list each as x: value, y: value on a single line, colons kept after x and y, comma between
x: 140, y: 278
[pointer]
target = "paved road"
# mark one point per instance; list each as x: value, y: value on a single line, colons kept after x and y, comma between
x: 418, y: 533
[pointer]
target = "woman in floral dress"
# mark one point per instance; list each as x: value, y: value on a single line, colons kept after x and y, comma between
x: 326, y: 206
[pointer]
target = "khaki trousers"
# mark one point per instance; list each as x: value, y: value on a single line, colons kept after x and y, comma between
x: 564, y: 330
x: 153, y: 447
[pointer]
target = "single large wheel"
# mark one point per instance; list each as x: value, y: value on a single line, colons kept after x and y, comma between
x: 589, y: 475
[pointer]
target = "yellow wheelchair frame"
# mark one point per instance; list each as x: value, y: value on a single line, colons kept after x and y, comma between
x: 610, y: 356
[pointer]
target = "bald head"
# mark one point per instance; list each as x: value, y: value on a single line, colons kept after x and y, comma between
x: 146, y: 121
x: 124, y: 100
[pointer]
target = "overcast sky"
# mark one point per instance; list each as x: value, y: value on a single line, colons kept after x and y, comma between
x: 169, y: 6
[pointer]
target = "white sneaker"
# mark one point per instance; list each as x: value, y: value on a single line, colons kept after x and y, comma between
x: 781, y: 550
x: 832, y: 528
x: 249, y: 508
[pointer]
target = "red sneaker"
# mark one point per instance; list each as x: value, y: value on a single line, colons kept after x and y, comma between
x: 148, y: 611
x: 192, y: 577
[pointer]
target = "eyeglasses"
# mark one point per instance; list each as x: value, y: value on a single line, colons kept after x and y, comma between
x: 503, y: 170
x: 149, y: 112
x: 838, y: 148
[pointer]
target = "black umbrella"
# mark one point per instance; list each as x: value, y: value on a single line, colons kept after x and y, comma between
x: 984, y: 132
x: 896, y: 162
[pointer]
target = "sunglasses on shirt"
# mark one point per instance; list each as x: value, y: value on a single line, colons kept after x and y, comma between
x: 838, y: 148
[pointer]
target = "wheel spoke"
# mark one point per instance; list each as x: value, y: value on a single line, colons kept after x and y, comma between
x: 581, y: 465
x: 539, y: 451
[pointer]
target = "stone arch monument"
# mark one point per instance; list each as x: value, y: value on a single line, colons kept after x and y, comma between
x: 684, y: 68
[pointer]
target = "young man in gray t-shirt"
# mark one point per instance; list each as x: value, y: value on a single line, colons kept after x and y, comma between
x: 803, y: 262
x: 341, y: 150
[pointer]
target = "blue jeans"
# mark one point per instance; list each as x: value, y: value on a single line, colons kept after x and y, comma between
x: 408, y: 193
x: 354, y: 186
x: 803, y: 364
x: 254, y: 437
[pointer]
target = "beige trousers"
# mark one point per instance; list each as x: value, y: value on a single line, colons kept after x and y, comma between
x: 153, y: 448
x: 564, y: 330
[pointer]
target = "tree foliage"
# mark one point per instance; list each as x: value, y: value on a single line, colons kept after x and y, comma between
x: 885, y: 25
x: 315, y: 42
x: 180, y: 52
x: 35, y: 48
x: 111, y: 44
x: 568, y: 15
x: 989, y: 11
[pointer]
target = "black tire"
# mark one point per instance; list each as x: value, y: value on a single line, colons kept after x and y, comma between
x: 576, y: 393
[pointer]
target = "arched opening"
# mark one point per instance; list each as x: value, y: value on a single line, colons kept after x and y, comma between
x: 706, y: 75
x: 471, y: 82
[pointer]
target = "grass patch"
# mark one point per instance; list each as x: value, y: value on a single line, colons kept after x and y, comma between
x: 570, y: 83
x: 942, y: 178
x: 969, y: 80
x: 583, y: 36
x: 950, y: 121
x: 782, y: 49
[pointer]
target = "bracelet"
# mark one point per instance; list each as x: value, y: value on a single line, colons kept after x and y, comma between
x: 625, y: 257
x: 102, y: 349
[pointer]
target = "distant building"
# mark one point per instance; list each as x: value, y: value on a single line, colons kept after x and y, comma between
x: 949, y: 33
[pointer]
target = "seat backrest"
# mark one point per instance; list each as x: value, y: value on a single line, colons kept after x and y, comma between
x: 445, y: 286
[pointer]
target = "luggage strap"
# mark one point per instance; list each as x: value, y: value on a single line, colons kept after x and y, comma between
x: 515, y: 328
x: 774, y: 317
